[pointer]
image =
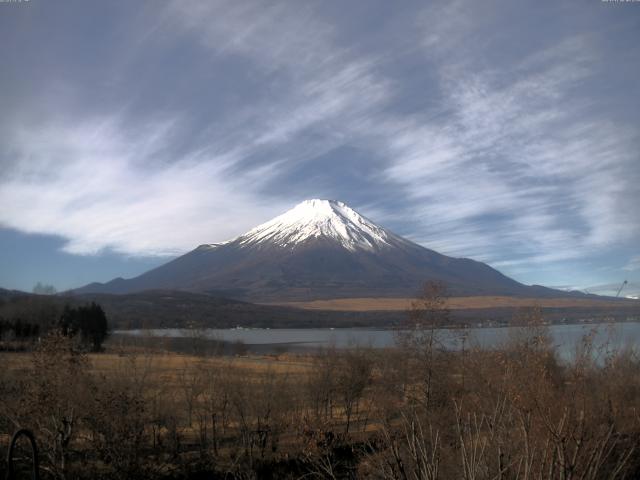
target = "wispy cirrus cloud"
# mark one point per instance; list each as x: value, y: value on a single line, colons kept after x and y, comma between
x: 92, y: 185
x: 519, y: 167
x: 461, y: 125
x: 311, y: 82
x: 107, y: 182
x: 633, y: 264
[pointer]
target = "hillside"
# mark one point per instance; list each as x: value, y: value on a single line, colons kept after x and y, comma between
x: 177, y: 309
x: 320, y: 249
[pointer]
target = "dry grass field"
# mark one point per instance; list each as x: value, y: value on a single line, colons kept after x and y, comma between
x: 459, y: 303
x: 167, y: 365
x: 416, y: 411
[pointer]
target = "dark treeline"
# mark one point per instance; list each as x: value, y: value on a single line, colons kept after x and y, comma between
x: 26, y: 321
x: 89, y: 322
x: 19, y: 329
x: 176, y: 309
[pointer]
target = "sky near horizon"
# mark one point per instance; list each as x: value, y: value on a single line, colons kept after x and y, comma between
x: 504, y: 131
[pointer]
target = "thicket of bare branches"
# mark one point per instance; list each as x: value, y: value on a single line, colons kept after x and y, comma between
x: 419, y: 411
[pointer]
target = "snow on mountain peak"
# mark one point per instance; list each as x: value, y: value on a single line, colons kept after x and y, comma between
x: 320, y: 218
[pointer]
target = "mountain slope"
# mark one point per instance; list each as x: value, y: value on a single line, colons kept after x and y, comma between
x: 319, y: 249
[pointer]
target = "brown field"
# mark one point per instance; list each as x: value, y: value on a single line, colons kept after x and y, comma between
x: 166, y: 366
x: 135, y: 412
x: 457, y: 303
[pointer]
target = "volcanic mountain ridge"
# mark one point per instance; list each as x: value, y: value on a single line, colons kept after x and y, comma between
x: 320, y: 249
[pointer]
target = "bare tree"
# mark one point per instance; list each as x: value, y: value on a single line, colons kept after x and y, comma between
x: 352, y: 377
x: 321, y: 384
x: 53, y: 399
x: 419, y: 335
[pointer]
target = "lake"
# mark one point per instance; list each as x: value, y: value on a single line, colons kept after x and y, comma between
x: 565, y: 337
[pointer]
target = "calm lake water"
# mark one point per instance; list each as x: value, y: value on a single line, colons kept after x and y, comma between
x: 565, y: 337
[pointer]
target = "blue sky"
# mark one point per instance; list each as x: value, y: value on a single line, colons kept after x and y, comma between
x: 505, y: 131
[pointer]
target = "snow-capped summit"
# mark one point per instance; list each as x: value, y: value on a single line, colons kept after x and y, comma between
x: 313, y: 219
x: 320, y: 249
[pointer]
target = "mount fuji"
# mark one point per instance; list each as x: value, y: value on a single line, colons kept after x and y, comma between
x: 320, y: 249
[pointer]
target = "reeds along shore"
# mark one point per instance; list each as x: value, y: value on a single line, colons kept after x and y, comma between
x: 413, y: 412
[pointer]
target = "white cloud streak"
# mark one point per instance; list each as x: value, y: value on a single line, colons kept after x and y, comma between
x: 516, y: 170
x: 91, y: 184
x: 513, y: 165
x: 101, y: 183
x: 633, y: 265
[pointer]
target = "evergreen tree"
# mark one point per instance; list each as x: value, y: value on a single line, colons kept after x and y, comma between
x: 89, y: 321
x: 94, y: 328
x: 69, y: 321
